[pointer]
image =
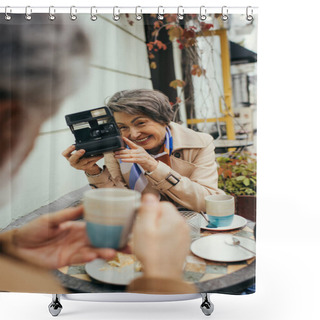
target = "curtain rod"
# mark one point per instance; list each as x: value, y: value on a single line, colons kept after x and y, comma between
x: 126, y: 9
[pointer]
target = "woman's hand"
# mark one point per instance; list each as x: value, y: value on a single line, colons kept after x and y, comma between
x: 161, y: 238
x: 136, y: 154
x: 54, y: 240
x: 86, y: 164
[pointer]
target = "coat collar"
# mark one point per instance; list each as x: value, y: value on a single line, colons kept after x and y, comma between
x: 184, y: 138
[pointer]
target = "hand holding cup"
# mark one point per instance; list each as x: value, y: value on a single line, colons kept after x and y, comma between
x: 161, y: 238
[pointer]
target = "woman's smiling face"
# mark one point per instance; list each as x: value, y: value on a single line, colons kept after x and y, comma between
x: 141, y: 130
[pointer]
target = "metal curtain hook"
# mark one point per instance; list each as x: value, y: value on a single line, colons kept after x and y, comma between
x: 116, y: 16
x: 52, y: 10
x: 73, y: 11
x: 224, y: 12
x: 203, y: 13
x: 160, y: 15
x: 6, y: 15
x: 180, y: 14
x: 28, y: 13
x: 93, y: 16
x: 249, y: 16
x: 138, y: 15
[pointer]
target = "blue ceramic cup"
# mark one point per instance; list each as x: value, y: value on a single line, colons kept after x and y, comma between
x: 220, y: 210
x: 109, y: 215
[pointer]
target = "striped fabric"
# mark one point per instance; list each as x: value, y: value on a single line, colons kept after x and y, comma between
x: 137, y: 179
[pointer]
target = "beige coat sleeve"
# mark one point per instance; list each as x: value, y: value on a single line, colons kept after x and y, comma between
x: 111, y: 176
x: 201, y: 181
x: 17, y: 275
x: 160, y: 286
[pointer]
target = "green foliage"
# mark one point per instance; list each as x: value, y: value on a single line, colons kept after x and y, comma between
x: 238, y: 174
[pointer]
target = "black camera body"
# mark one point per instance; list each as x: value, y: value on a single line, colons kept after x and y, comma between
x: 95, y: 131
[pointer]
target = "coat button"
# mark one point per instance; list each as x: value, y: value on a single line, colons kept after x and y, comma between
x: 177, y: 154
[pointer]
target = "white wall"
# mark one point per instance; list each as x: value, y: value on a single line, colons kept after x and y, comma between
x: 119, y: 61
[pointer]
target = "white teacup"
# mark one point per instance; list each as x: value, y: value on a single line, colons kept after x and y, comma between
x: 220, y: 210
x: 109, y: 215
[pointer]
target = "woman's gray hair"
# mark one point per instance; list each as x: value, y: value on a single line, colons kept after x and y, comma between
x: 151, y: 103
x: 41, y: 61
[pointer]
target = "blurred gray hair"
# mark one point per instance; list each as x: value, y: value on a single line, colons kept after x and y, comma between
x: 41, y: 61
x: 151, y: 103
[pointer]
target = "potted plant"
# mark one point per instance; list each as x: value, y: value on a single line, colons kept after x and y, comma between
x: 238, y: 177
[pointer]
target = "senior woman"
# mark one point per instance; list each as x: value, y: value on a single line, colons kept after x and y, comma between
x: 161, y: 157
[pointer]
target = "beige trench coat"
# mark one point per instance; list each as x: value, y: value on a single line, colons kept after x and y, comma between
x: 192, y: 176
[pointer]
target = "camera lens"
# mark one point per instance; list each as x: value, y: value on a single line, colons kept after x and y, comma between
x: 95, y: 133
x: 111, y: 128
x: 108, y: 129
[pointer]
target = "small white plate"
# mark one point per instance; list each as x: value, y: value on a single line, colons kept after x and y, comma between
x: 216, y: 248
x: 237, y: 222
x: 110, y: 274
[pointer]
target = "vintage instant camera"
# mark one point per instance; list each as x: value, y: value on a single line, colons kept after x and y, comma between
x: 95, y: 131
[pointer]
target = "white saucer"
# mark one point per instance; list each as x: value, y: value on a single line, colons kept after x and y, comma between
x: 110, y: 274
x: 237, y: 222
x: 216, y: 248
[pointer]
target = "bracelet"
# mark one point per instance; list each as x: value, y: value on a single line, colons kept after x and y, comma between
x: 95, y: 175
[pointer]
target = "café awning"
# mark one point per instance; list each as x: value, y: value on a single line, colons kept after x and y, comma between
x: 241, y: 55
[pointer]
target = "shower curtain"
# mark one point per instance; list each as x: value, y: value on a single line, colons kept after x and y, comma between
x: 59, y: 64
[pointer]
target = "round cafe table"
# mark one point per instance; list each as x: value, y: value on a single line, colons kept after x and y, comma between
x: 208, y: 276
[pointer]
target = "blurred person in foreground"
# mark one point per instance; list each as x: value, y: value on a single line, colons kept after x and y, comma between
x: 41, y: 63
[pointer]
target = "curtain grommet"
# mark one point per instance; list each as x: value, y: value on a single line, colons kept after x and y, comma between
x: 160, y: 16
x: 73, y: 11
x: 93, y: 17
x: 116, y: 15
x: 6, y: 14
x: 224, y: 13
x: 138, y: 15
x: 28, y: 13
x: 249, y: 17
x: 180, y: 13
x: 203, y: 13
x: 52, y: 11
